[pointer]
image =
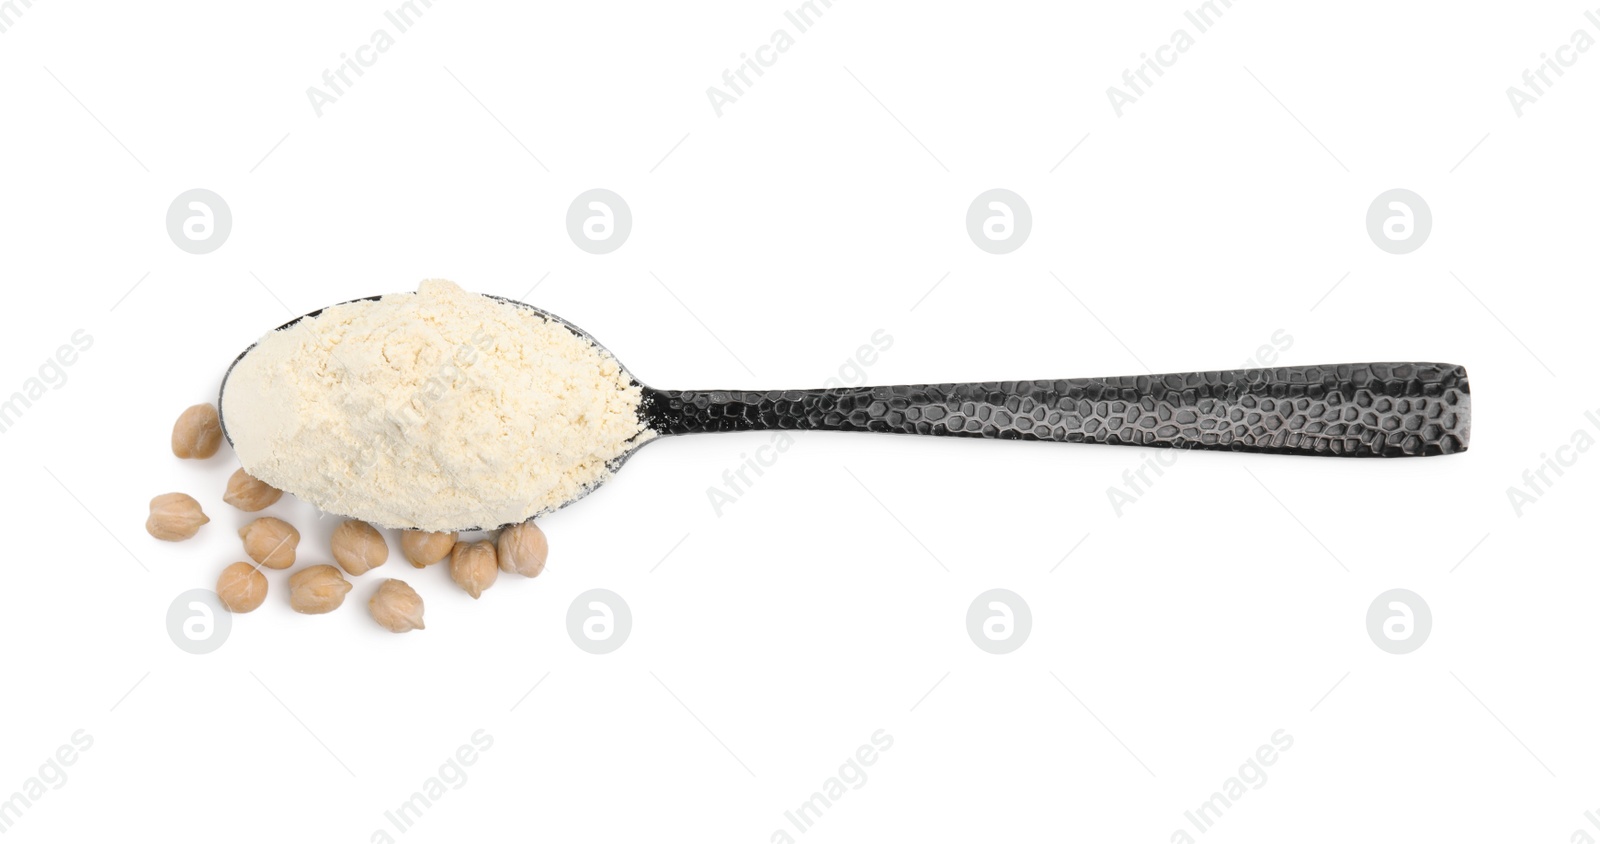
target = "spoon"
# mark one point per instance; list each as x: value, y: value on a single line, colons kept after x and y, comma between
x: 1334, y: 410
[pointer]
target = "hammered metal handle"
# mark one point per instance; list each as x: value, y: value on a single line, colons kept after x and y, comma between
x: 1339, y: 410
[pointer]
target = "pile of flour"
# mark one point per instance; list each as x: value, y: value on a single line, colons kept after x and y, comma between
x: 436, y: 410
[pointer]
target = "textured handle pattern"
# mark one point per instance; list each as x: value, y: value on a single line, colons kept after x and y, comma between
x: 1344, y: 410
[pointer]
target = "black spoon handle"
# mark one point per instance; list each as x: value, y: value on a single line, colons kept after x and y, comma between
x: 1342, y: 410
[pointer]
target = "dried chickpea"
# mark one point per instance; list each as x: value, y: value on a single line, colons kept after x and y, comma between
x: 396, y: 607
x: 523, y: 549
x: 314, y: 590
x: 198, y: 433
x: 242, y: 587
x: 473, y: 566
x: 270, y: 542
x: 424, y: 548
x: 358, y: 547
x: 249, y: 494
x: 174, y: 517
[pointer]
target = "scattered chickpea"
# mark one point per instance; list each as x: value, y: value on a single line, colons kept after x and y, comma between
x: 424, y: 548
x: 249, y: 494
x: 197, y: 433
x: 317, y: 589
x: 314, y: 590
x: 242, y: 587
x: 358, y: 547
x: 270, y: 542
x: 174, y: 517
x: 396, y: 607
x: 523, y: 549
x: 473, y: 566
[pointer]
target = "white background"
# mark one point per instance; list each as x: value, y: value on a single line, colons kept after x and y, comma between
x: 772, y: 640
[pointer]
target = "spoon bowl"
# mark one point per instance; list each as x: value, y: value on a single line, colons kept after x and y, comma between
x: 612, y: 465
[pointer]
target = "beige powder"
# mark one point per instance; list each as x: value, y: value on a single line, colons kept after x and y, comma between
x: 437, y: 410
